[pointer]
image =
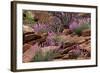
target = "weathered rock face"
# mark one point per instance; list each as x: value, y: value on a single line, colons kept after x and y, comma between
x: 27, y: 29
x: 75, y: 47
x: 30, y: 53
x: 28, y: 34
x: 26, y: 47
x: 86, y: 32
x: 30, y: 37
x: 86, y: 46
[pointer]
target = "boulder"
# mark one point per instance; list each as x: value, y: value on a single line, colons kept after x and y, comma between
x: 27, y: 29
x: 66, y: 57
x: 30, y: 37
x: 74, y: 53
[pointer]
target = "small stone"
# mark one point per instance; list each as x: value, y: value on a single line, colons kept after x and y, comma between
x: 85, y: 53
x: 86, y: 45
x: 67, y: 31
x: 42, y: 39
x: 74, y: 54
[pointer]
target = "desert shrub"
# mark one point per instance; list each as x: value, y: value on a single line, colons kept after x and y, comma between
x: 64, y: 17
x: 43, y: 28
x: 40, y: 56
x: 28, y: 17
x: 81, y: 28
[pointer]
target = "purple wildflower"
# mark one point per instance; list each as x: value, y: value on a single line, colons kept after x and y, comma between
x: 73, y: 25
x: 41, y: 27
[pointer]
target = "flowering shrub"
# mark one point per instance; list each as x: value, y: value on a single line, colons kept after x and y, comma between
x: 77, y: 25
x: 41, y: 28
x: 81, y: 28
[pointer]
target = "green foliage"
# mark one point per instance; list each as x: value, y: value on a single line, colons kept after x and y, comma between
x: 40, y: 56
x: 49, y: 55
x: 28, y: 17
x: 81, y: 28
x: 59, y: 39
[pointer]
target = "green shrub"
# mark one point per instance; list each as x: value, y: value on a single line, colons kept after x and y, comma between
x: 28, y: 17
x: 40, y: 56
x: 81, y: 28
